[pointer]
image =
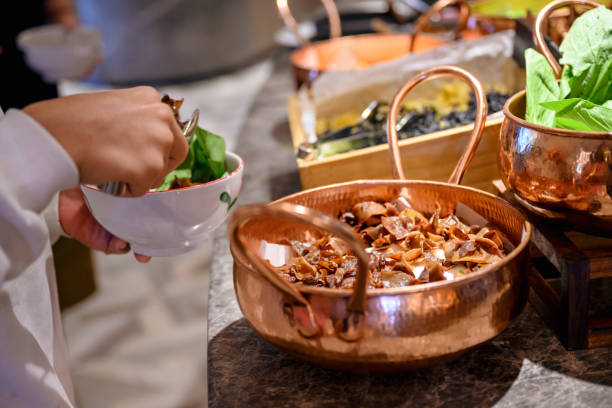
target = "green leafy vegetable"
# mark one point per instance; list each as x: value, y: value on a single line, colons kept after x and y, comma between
x: 205, y: 161
x: 582, y: 100
x: 541, y: 86
x: 587, y: 56
x: 580, y: 114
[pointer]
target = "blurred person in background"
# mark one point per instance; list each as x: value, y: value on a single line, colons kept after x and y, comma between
x: 47, y: 147
x: 19, y: 85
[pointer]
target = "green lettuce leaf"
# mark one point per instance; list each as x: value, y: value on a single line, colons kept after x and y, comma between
x: 169, y: 179
x: 205, y: 160
x: 587, y: 56
x: 213, y: 147
x: 580, y: 114
x: 541, y: 86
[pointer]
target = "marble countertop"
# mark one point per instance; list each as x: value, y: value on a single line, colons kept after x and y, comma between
x: 525, y: 366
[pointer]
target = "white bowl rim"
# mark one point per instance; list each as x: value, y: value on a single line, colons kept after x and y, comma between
x: 24, y: 38
x: 233, y: 173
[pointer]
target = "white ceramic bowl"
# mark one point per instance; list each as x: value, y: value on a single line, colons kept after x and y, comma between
x: 57, y: 53
x: 166, y: 223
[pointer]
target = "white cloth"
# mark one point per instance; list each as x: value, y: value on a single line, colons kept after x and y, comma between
x: 33, y: 168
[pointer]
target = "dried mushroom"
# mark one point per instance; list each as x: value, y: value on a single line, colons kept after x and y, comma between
x: 405, y: 247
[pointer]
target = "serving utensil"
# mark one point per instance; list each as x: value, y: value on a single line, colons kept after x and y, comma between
x: 379, y: 329
x: 560, y: 174
x: 117, y: 188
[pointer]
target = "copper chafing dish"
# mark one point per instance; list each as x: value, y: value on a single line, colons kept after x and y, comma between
x: 387, y: 329
x: 359, y: 51
x: 559, y: 174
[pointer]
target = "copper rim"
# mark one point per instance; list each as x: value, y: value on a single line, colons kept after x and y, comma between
x: 296, y: 55
x: 335, y: 32
x: 326, y: 221
x: 545, y: 129
x: 432, y: 285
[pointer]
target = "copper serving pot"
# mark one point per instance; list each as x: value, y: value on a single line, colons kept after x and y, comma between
x: 560, y: 174
x: 387, y: 329
x: 360, y: 51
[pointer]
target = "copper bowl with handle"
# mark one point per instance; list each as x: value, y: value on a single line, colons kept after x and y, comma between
x: 558, y: 174
x: 388, y: 329
x: 360, y: 51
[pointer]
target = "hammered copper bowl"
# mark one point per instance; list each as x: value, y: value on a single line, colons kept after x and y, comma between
x: 389, y: 329
x: 559, y: 174
x: 341, y: 54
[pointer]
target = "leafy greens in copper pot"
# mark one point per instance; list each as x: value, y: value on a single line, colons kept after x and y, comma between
x: 582, y: 99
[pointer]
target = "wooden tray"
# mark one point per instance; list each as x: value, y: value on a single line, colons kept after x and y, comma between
x: 427, y: 157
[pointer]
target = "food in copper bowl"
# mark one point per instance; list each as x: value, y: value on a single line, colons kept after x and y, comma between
x: 582, y: 99
x: 361, y: 51
x: 555, y: 150
x: 382, y: 329
x: 405, y: 248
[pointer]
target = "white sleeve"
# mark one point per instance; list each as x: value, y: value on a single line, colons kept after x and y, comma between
x: 34, y: 165
x: 33, y: 168
x: 51, y: 217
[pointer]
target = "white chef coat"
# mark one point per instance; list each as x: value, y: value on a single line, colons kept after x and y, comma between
x: 33, y: 359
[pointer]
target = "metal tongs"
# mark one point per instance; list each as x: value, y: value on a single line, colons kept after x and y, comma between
x: 117, y: 188
x: 368, y: 131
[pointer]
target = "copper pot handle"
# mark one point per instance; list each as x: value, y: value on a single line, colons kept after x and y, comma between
x: 423, y: 21
x: 335, y: 28
x: 351, y: 328
x: 538, y: 34
x: 479, y: 123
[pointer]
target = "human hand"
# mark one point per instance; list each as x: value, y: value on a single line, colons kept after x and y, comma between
x: 62, y: 12
x: 126, y: 135
x: 77, y: 221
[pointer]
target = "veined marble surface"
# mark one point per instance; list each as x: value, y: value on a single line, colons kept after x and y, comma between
x: 525, y: 366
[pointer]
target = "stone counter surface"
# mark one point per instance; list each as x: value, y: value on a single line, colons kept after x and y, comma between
x: 525, y: 366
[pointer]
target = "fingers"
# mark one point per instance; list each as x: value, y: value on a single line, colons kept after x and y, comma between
x: 137, y: 189
x: 142, y: 258
x: 166, y: 150
x: 77, y: 221
x: 117, y: 246
x: 179, y: 148
x: 125, y: 135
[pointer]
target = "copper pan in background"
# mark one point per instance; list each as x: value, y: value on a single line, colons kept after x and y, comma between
x: 390, y: 329
x: 360, y: 51
x: 559, y: 174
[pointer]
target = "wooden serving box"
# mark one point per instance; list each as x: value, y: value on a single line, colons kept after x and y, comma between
x: 427, y: 157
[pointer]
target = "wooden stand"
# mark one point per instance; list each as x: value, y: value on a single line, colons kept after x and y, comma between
x: 576, y: 259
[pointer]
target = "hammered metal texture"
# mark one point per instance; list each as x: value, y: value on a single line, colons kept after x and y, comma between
x: 556, y: 173
x: 405, y: 328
